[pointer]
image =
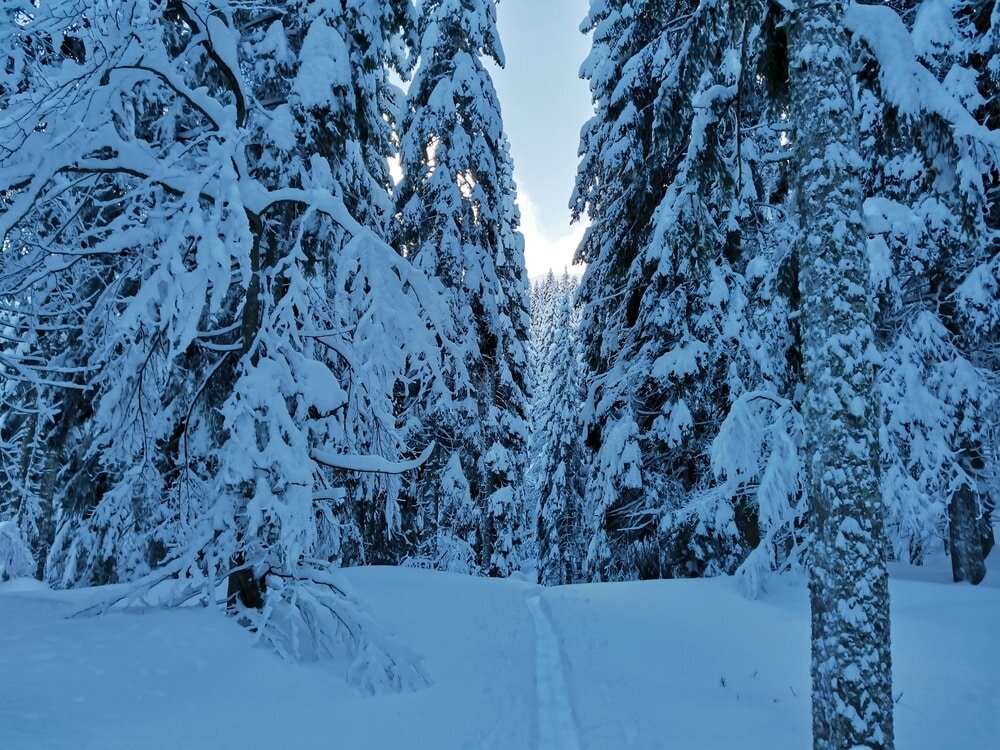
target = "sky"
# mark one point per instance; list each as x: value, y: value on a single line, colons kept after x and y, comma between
x: 545, y: 104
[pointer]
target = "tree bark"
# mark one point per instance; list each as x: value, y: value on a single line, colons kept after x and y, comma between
x: 989, y: 534
x: 970, y: 519
x: 244, y: 587
x: 967, y: 537
x: 851, y: 668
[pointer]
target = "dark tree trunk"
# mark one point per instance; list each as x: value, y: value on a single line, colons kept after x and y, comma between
x: 966, y: 537
x: 989, y: 535
x: 244, y: 586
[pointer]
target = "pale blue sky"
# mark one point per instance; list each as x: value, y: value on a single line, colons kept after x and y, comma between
x: 544, y: 106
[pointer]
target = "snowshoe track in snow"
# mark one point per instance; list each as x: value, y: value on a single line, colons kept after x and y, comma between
x: 556, y: 726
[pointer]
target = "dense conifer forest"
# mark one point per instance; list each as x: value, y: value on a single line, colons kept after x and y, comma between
x: 240, y: 356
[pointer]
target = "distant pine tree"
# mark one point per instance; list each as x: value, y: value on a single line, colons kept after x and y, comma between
x: 558, y: 445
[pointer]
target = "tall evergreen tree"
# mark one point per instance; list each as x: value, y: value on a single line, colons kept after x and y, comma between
x: 541, y: 302
x: 359, y: 136
x: 544, y: 305
x: 546, y: 295
x: 684, y: 255
x: 617, y: 186
x: 459, y: 224
x: 180, y: 184
x: 709, y: 329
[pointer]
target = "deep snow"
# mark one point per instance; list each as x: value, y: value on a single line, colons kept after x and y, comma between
x: 664, y: 664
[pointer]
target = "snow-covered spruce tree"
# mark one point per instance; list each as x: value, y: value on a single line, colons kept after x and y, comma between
x: 925, y: 164
x: 557, y: 444
x: 50, y: 476
x: 933, y: 255
x: 458, y: 222
x: 965, y: 279
x: 358, y: 136
x: 181, y: 167
x: 544, y: 300
x: 706, y: 333
x: 614, y: 187
x: 29, y: 459
x: 986, y: 60
x: 24, y: 458
x: 851, y: 666
x: 618, y: 188
x: 380, y: 37
x: 696, y: 314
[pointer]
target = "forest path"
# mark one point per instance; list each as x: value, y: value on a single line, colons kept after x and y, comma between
x: 556, y: 725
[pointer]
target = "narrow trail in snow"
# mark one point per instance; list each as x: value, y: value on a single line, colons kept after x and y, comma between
x: 556, y: 726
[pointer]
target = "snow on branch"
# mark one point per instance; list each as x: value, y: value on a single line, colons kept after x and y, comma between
x: 757, y: 453
x: 371, y: 464
x: 908, y: 85
x: 15, y: 557
x: 312, y: 613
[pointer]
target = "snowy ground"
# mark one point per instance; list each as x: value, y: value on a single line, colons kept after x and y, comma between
x: 668, y: 664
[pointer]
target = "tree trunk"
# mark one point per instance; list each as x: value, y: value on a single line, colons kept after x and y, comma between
x: 851, y: 668
x: 970, y: 523
x: 967, y: 537
x: 989, y: 534
x: 244, y: 586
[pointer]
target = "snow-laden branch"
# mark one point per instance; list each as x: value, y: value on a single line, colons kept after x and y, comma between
x: 15, y: 557
x: 371, y: 464
x: 907, y: 84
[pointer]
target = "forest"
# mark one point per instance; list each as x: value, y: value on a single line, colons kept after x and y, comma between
x: 269, y: 352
